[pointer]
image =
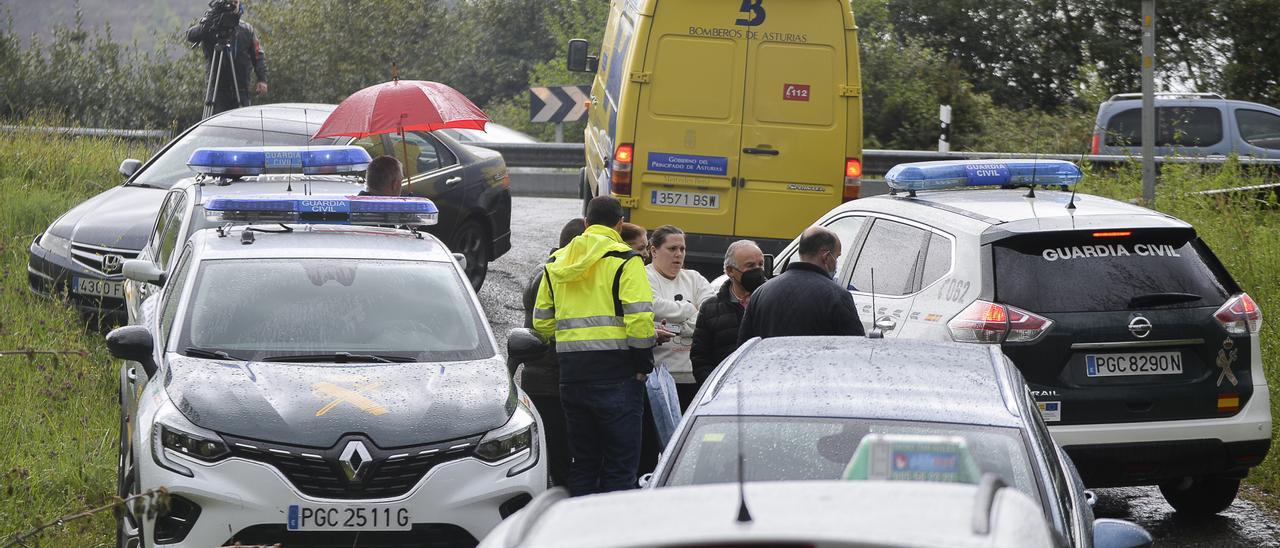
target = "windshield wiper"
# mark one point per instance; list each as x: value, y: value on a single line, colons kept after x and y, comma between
x: 142, y: 185
x: 212, y: 354
x: 1157, y: 299
x: 338, y: 357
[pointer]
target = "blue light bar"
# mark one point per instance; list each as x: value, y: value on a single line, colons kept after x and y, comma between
x: 314, y: 160
x: 960, y: 173
x: 324, y: 209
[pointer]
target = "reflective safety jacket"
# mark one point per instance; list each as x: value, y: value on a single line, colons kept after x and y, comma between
x: 596, y: 302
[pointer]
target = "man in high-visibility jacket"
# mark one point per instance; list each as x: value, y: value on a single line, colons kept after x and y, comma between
x: 596, y: 302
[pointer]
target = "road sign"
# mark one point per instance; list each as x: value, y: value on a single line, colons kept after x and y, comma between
x: 558, y: 104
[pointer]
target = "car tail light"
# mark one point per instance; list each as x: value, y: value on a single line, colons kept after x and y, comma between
x: 852, y: 179
x: 984, y: 322
x: 621, y: 178
x: 1240, y: 315
x: 1096, y: 147
x: 1113, y: 234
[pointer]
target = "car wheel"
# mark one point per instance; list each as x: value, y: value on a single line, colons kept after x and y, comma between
x: 128, y: 526
x: 471, y: 241
x: 1200, y: 496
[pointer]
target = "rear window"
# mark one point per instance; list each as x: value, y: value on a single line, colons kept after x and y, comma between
x: 1051, y: 273
x: 1175, y: 126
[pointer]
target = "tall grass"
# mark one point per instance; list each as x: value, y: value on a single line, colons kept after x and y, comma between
x: 59, y: 413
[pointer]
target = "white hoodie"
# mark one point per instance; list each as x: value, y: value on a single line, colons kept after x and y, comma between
x: 693, y: 289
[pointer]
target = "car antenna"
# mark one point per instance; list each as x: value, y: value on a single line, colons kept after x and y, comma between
x: 1071, y: 204
x: 875, y: 332
x: 1031, y: 191
x: 744, y: 515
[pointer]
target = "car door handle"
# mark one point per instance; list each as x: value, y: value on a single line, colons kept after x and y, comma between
x: 452, y: 181
x: 764, y: 151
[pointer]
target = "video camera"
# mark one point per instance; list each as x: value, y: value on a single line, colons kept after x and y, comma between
x: 222, y: 19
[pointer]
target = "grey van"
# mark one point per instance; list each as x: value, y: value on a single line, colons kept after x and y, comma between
x: 1188, y: 124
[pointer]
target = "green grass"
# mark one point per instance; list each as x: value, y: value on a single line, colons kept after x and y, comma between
x: 60, y: 413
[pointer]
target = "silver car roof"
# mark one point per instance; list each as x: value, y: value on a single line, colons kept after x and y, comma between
x: 321, y: 241
x: 275, y: 184
x: 856, y: 377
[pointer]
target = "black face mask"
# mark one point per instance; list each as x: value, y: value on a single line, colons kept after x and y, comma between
x: 753, y: 279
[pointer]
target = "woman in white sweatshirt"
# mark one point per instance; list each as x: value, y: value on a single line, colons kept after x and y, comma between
x: 677, y: 294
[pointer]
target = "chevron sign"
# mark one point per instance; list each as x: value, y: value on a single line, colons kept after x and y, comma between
x: 558, y: 104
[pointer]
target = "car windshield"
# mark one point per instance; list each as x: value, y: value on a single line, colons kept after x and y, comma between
x: 811, y: 448
x: 171, y: 166
x: 263, y: 309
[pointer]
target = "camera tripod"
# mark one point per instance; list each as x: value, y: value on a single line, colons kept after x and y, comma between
x: 221, y: 52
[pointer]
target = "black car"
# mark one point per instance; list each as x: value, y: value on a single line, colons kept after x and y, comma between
x: 82, y: 252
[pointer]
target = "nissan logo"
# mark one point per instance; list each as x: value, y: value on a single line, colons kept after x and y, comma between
x: 355, y: 461
x: 1140, y: 327
x: 111, y: 263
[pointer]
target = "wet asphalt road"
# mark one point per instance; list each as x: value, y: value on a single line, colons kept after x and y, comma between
x: 536, y: 226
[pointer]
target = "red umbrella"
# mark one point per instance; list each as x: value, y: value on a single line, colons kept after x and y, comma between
x: 400, y: 106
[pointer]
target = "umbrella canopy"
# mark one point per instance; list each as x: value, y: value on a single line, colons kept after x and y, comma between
x: 400, y: 106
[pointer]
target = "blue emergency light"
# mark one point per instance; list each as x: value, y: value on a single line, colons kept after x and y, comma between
x: 312, y: 160
x: 961, y: 173
x: 324, y: 209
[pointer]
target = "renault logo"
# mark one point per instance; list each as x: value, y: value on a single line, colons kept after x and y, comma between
x: 1140, y: 327
x: 355, y: 461
x: 111, y: 263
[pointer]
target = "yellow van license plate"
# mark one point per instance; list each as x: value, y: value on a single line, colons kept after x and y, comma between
x: 684, y: 199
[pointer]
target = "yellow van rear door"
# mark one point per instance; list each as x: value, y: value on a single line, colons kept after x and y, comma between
x: 689, y: 123
x: 794, y: 130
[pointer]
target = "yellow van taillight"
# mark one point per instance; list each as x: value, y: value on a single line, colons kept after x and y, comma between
x: 621, y: 178
x: 852, y: 179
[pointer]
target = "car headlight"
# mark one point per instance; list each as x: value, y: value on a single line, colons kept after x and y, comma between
x: 519, y: 434
x: 174, y: 433
x: 56, y: 244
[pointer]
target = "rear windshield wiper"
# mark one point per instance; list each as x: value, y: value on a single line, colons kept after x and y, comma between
x: 211, y: 354
x: 338, y: 357
x: 1157, y: 299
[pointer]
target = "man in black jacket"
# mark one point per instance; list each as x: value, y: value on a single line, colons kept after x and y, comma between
x: 804, y: 300
x: 716, y: 334
x: 221, y: 27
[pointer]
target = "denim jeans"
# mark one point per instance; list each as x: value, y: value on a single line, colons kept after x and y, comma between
x: 604, y: 425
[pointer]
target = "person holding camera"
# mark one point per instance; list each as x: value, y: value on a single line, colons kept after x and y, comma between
x: 232, y: 49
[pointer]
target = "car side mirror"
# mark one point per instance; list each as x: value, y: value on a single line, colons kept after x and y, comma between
x: 1118, y: 533
x: 578, y: 60
x: 462, y: 260
x: 129, y: 166
x: 523, y: 347
x: 133, y: 343
x: 142, y: 270
x: 768, y: 265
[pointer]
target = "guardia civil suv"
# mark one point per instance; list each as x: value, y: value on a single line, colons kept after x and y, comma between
x: 1141, y: 350
x: 310, y: 375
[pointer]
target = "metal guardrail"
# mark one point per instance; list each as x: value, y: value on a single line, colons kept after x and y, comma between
x: 142, y: 134
x: 874, y: 162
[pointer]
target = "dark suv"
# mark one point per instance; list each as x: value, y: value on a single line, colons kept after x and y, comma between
x: 81, y: 254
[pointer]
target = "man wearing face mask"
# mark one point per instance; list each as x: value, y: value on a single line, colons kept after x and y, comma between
x: 716, y: 334
x: 804, y: 300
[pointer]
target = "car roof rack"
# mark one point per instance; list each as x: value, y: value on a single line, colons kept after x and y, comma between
x: 1170, y: 94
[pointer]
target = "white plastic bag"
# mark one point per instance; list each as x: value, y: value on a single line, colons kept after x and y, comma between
x: 663, y: 401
